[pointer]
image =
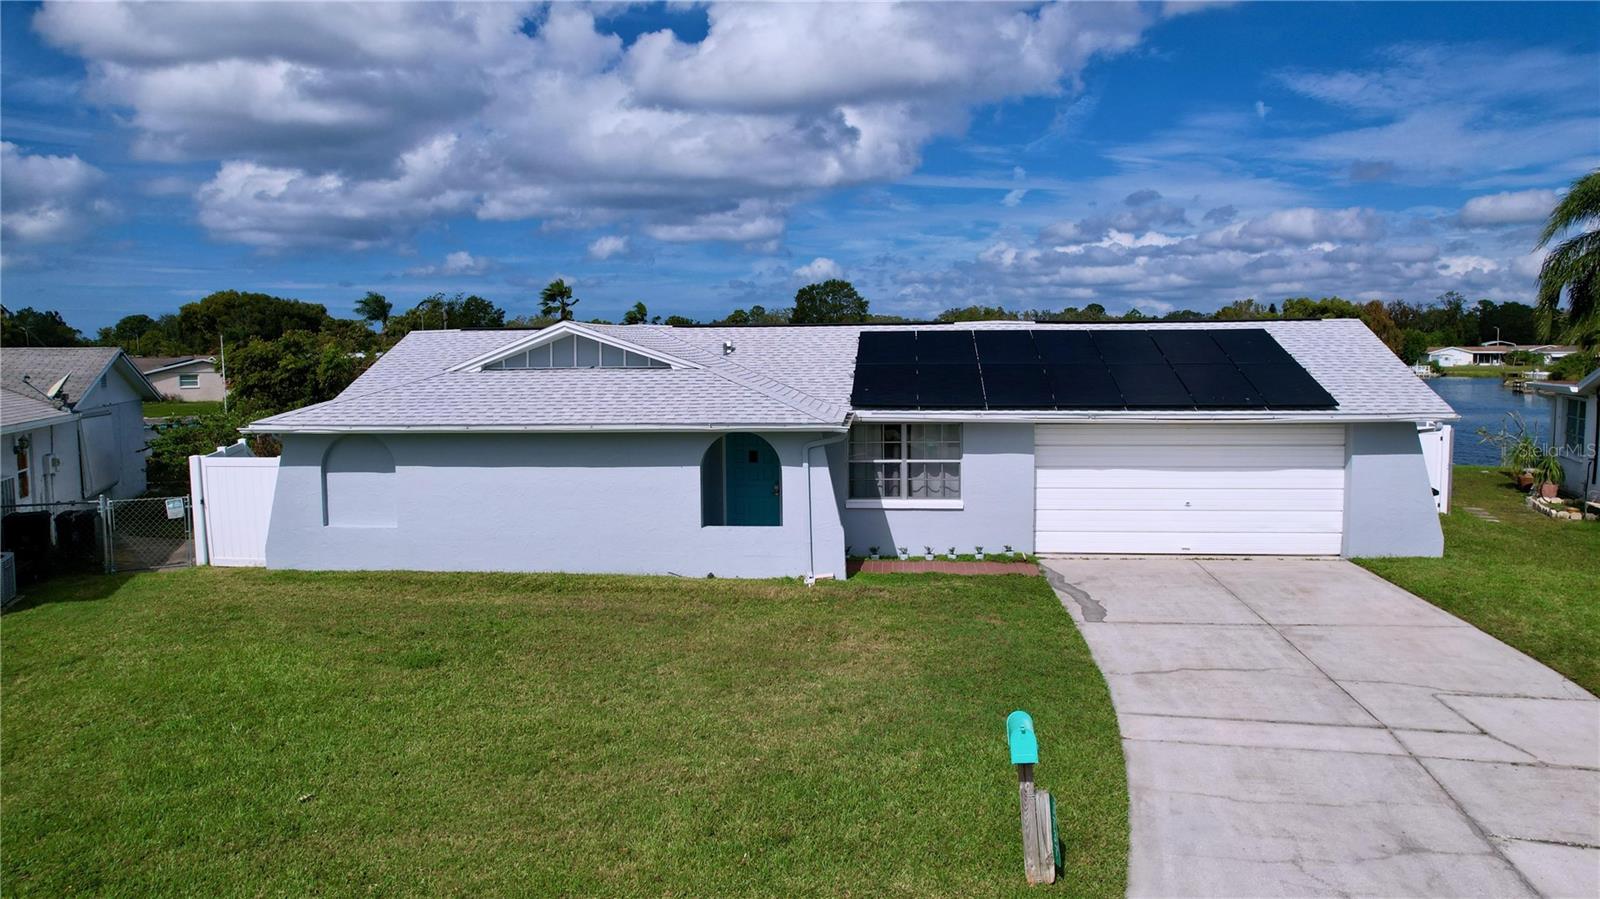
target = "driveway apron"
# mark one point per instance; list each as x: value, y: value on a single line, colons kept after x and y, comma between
x: 1301, y: 727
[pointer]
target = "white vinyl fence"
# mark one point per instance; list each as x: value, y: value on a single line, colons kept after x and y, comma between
x: 231, y: 493
x: 1438, y: 450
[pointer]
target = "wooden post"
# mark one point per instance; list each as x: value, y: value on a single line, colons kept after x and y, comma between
x: 1038, y: 837
x: 1030, y: 824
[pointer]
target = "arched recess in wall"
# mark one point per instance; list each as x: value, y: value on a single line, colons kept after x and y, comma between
x: 741, y: 483
x: 358, y: 484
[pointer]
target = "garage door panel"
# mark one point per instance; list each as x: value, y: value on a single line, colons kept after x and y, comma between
x: 1189, y: 488
x: 1191, y: 435
x: 1216, y: 478
x: 1198, y: 521
x: 1182, y: 456
x: 1169, y: 542
x: 1093, y: 499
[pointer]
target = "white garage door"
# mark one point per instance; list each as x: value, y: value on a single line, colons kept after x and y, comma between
x: 1189, y: 488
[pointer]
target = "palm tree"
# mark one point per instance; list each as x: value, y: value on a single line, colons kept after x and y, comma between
x: 1573, y: 267
x: 374, y: 307
x: 556, y: 299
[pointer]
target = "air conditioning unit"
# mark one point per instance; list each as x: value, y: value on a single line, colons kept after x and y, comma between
x: 8, y: 578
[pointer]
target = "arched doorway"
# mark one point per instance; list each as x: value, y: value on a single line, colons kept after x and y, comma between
x: 741, y: 483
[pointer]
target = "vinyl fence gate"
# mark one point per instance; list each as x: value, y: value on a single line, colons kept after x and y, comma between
x: 149, y: 532
x: 231, y: 492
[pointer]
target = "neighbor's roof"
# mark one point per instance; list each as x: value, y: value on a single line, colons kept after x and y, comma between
x: 153, y: 364
x: 776, y: 377
x: 83, y: 367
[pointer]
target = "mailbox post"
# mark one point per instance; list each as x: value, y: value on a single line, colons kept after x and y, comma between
x: 1038, y: 824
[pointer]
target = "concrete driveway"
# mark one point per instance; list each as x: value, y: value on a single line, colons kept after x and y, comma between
x: 1301, y: 727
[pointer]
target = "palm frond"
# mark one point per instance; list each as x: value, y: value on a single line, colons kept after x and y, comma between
x: 1581, y: 204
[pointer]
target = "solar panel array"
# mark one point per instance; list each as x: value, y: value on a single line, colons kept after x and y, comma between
x: 1112, y: 369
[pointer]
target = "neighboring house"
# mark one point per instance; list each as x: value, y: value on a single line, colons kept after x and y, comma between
x: 84, y: 439
x: 184, y: 378
x: 757, y: 451
x: 1494, y: 353
x: 1575, y: 430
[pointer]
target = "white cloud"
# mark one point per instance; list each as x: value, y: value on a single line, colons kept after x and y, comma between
x: 1511, y: 208
x: 608, y: 245
x: 1262, y: 109
x: 457, y: 263
x: 323, y: 117
x: 48, y: 198
x: 818, y: 269
x: 1457, y: 266
x: 1014, y: 197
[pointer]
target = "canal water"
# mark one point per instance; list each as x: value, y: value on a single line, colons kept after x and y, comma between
x: 1485, y: 403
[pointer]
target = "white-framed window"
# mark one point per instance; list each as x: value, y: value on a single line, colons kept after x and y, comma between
x: 572, y: 351
x: 1577, y: 424
x: 189, y: 380
x: 905, y: 464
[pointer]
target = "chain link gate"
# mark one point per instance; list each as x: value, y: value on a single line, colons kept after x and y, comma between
x: 149, y: 532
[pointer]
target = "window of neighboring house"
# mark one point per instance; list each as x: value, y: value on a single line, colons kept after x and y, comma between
x: 572, y: 351
x: 192, y: 380
x: 1577, y: 424
x: 905, y: 462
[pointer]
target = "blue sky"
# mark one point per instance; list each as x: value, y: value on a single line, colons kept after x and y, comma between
x: 701, y: 158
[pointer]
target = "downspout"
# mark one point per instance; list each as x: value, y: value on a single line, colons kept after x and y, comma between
x: 811, y: 530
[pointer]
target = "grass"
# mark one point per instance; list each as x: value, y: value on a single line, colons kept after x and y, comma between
x: 1529, y: 580
x: 217, y: 731
x: 169, y: 408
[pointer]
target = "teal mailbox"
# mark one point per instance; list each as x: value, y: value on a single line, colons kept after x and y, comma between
x: 1019, y: 734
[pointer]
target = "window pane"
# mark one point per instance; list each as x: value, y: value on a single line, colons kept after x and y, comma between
x: 520, y: 360
x: 657, y: 363
x: 539, y: 356
x: 561, y: 351
x: 634, y: 360
x: 610, y: 356
x: 952, y: 480
x: 588, y: 353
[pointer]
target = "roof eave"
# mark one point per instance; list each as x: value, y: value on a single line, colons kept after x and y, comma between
x: 1169, y: 417
x: 266, y: 427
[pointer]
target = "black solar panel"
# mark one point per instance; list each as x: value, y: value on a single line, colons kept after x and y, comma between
x: 1250, y: 345
x: 1285, y: 385
x: 1150, y: 386
x: 1062, y: 368
x: 949, y: 387
x: 1016, y: 387
x: 1127, y: 347
x: 1083, y: 387
x: 1003, y: 347
x: 1218, y: 387
x: 1073, y: 347
x: 1189, y: 348
x: 885, y: 386
x: 945, y: 348
x: 879, y: 347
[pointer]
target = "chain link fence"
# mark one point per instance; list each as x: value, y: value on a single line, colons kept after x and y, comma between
x: 97, y: 536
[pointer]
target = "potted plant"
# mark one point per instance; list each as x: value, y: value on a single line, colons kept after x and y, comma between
x: 1547, y: 473
x: 927, y: 552
x: 873, y: 550
x: 977, y: 551
x: 905, y: 553
x: 1519, y: 452
x: 951, y: 554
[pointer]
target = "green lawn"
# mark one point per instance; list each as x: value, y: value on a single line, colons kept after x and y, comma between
x: 166, y: 408
x: 227, y: 732
x: 1484, y: 371
x: 1528, y: 580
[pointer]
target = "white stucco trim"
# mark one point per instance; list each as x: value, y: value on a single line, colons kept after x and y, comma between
x: 556, y: 332
x: 904, y: 503
x: 538, y: 429
x: 1176, y: 416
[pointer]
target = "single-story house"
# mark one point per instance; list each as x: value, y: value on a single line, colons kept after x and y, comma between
x: 1495, y: 352
x: 1575, y: 431
x: 71, y: 425
x: 184, y: 378
x: 764, y: 451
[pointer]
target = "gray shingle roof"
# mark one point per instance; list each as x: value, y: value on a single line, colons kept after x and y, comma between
x: 775, y: 377
x: 45, y: 365
x: 18, y: 409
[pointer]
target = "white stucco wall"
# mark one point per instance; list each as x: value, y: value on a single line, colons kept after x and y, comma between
x: 1576, y: 463
x: 624, y: 503
x: 996, y: 493
x: 50, y: 483
x: 1388, y: 503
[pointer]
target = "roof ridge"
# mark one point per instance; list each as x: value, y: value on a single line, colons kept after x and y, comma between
x: 752, y: 379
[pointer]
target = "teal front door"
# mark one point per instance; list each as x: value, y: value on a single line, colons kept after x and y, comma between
x: 754, y: 481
